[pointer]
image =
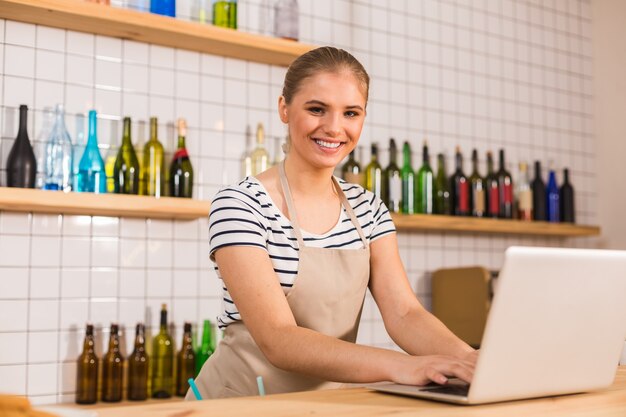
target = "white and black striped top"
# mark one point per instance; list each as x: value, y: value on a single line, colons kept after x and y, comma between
x: 244, y: 215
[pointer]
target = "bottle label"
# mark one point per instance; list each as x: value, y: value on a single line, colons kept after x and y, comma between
x: 463, y: 197
x: 525, y: 202
x: 353, y: 178
x: 507, y: 194
x: 494, y: 201
x: 479, y: 200
x: 395, y: 189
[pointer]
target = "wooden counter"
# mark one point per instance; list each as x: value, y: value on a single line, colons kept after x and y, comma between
x: 363, y: 402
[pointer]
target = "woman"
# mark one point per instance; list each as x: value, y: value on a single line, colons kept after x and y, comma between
x: 297, y: 249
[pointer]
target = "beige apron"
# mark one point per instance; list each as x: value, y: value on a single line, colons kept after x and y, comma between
x: 327, y: 296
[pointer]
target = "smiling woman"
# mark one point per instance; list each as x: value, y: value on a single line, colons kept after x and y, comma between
x: 296, y: 249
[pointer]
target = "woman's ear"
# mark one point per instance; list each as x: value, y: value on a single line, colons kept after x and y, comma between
x: 282, y: 110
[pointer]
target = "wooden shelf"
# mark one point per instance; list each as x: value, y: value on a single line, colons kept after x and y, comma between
x: 115, y: 205
x: 438, y: 223
x: 151, y: 28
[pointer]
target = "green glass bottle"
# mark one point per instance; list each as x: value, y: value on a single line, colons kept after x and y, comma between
x: 225, y: 13
x: 424, y: 199
x: 374, y: 174
x: 207, y: 347
x: 126, y: 168
x: 181, y: 171
x: 153, y: 177
x: 392, y: 180
x: 185, y: 362
x: 442, y: 203
x: 408, y: 181
x: 87, y: 371
x: 351, y: 171
x: 162, y: 360
x: 138, y: 365
x: 112, y: 369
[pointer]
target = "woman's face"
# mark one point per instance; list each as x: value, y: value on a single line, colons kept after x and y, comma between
x: 325, y: 118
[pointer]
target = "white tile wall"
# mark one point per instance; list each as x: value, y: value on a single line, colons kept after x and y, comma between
x: 484, y: 74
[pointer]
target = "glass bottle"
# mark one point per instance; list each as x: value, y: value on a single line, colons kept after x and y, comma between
x: 286, y: 19
x: 259, y: 157
x: 459, y: 187
x: 524, y: 194
x: 408, y: 181
x: 87, y: 371
x: 374, y: 174
x: 185, y: 362
x: 505, y: 188
x: 181, y: 171
x: 126, y: 168
x: 477, y: 184
x: 79, y: 146
x: 552, y: 198
x: 392, y: 180
x: 21, y: 163
x: 207, y: 347
x: 162, y: 360
x: 442, y: 203
x: 566, y: 198
x: 112, y: 369
x: 351, y: 170
x: 225, y: 13
x: 110, y: 158
x: 163, y: 7
x: 539, y: 195
x: 40, y: 146
x: 91, y: 174
x: 138, y: 365
x: 59, y: 155
x: 493, y: 195
x: 153, y: 163
x: 424, y: 200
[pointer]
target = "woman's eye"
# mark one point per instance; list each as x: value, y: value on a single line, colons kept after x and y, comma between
x: 351, y: 113
x: 316, y: 110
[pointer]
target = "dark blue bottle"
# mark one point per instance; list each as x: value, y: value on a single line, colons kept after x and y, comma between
x: 552, y: 202
x: 164, y: 7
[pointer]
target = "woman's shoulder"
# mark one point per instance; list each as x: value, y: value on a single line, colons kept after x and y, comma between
x: 247, y: 190
x: 356, y: 194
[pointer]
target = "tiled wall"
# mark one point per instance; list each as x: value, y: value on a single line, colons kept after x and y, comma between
x: 483, y: 74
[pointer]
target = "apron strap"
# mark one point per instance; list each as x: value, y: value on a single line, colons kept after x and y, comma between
x: 292, y: 211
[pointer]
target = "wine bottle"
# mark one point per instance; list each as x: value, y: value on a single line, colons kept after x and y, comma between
x: 392, y: 180
x: 225, y: 13
x: 21, y: 163
x: 153, y: 163
x: 351, y: 171
x: 374, y: 174
x: 138, y: 365
x: 493, y: 195
x: 185, y: 362
x: 408, y: 181
x: 442, y: 198
x: 524, y: 194
x: 87, y: 371
x: 112, y: 369
x: 566, y: 198
x: 162, y: 360
x: 552, y: 198
x: 181, y: 171
x: 59, y: 155
x: 286, y: 19
x: 424, y: 200
x: 126, y: 168
x: 109, y: 160
x: 207, y: 347
x: 539, y: 195
x: 260, y: 157
x: 505, y: 188
x: 477, y: 184
x: 91, y: 174
x: 459, y: 187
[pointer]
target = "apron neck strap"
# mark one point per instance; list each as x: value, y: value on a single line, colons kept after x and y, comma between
x: 292, y: 211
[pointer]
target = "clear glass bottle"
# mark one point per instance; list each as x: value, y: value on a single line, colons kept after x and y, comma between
x: 40, y: 145
x: 259, y: 157
x: 59, y: 155
x: 91, y: 173
x: 286, y: 19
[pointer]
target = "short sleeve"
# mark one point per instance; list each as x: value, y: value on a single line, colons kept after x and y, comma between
x: 235, y: 220
x: 382, y: 223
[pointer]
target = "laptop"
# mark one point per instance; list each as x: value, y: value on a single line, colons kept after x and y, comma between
x: 556, y: 326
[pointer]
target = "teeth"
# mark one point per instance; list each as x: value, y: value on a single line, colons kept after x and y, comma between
x: 327, y: 144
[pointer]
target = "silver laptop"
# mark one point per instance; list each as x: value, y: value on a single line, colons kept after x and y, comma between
x: 556, y: 326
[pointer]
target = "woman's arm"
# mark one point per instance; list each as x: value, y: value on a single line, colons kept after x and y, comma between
x: 413, y: 328
x: 254, y: 287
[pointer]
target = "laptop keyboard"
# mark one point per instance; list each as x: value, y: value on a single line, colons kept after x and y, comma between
x: 458, y: 390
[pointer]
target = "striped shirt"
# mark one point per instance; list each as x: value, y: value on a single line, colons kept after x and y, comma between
x: 245, y: 215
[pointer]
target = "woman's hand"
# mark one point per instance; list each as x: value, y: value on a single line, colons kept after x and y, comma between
x: 421, y: 370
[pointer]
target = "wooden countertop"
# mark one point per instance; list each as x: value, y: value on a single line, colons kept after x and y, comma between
x: 364, y: 402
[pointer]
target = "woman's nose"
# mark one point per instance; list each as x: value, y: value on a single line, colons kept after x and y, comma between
x: 332, y: 124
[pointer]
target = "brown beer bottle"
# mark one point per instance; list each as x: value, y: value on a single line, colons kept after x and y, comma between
x: 138, y: 365
x: 87, y: 371
x: 112, y: 369
x: 185, y: 363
